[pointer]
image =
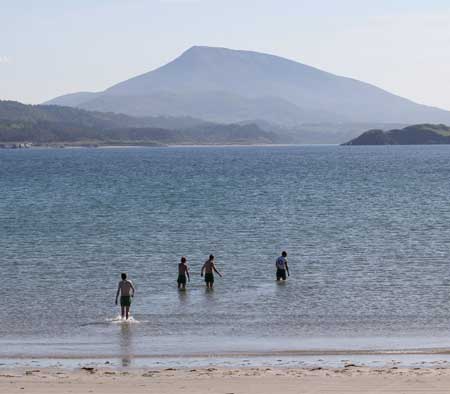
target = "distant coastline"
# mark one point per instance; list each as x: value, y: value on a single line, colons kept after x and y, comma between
x: 124, y: 145
x: 422, y: 134
x: 25, y: 126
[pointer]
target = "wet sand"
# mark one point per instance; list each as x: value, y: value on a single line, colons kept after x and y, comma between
x: 350, y: 379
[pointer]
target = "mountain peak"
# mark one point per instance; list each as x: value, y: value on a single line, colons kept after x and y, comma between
x: 204, y: 48
x: 208, y: 52
x: 201, y: 48
x: 202, y: 51
x: 228, y: 53
x: 222, y: 84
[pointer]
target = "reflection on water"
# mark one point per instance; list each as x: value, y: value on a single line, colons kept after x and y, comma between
x: 209, y: 294
x: 183, y: 297
x: 126, y: 344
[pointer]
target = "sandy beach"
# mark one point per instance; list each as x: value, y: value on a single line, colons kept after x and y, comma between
x: 350, y: 379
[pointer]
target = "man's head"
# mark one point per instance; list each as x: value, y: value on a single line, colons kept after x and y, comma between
x: 211, y: 257
x: 283, y: 253
x: 183, y: 259
x: 123, y: 276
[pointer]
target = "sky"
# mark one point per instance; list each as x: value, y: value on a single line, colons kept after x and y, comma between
x: 53, y: 47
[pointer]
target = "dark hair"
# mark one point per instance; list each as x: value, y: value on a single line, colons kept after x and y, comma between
x: 183, y: 259
x: 123, y: 275
x: 211, y: 257
x: 283, y: 253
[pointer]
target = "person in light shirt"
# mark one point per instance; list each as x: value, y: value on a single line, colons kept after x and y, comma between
x: 282, y: 266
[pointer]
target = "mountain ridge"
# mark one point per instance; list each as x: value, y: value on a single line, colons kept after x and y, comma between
x: 201, y: 78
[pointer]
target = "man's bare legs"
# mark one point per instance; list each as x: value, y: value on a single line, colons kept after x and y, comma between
x: 122, y: 312
x: 127, y: 312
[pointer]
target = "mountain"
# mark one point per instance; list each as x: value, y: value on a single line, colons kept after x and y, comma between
x: 51, y: 124
x: 422, y: 134
x: 224, y: 85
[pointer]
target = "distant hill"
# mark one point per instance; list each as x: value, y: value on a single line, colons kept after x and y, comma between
x: 224, y: 85
x: 13, y: 110
x: 51, y: 124
x: 423, y: 134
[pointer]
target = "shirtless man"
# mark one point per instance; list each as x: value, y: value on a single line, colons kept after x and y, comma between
x: 183, y: 272
x: 126, y: 291
x: 208, y: 269
x: 282, y: 266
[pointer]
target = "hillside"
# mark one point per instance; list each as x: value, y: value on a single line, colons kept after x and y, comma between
x: 224, y: 85
x: 15, y: 111
x: 423, y: 134
x: 50, y: 124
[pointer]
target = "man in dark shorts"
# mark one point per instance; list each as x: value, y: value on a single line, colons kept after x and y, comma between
x: 208, y: 269
x: 183, y: 273
x: 282, y: 266
x: 126, y: 291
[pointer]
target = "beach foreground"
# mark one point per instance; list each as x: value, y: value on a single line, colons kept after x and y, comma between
x: 352, y: 379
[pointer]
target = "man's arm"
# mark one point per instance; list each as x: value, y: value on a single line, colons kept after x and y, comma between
x: 203, y: 269
x: 118, y: 292
x: 187, y: 274
x: 287, y: 268
x: 134, y: 290
x: 215, y: 270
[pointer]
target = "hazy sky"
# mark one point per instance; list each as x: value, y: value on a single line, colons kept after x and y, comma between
x: 53, y: 47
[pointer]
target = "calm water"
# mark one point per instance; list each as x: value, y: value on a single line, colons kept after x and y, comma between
x: 367, y: 230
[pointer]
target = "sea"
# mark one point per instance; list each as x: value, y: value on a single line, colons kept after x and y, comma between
x: 366, y: 229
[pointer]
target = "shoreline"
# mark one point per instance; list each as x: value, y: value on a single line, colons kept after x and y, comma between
x: 125, y: 146
x: 291, y: 359
x: 238, y: 354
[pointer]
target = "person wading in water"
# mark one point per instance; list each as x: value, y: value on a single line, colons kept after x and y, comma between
x: 183, y: 273
x: 126, y: 291
x: 208, y: 269
x: 282, y: 266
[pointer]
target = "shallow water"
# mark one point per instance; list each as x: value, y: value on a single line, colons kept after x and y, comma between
x: 367, y: 230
